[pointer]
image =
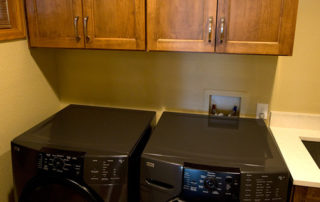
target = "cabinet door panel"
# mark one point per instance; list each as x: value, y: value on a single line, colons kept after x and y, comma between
x: 115, y: 24
x: 181, y: 25
x: 52, y: 23
x: 256, y: 26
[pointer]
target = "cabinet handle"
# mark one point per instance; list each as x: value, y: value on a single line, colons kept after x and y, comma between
x: 76, y: 30
x: 210, y: 29
x: 222, y: 30
x: 85, y: 22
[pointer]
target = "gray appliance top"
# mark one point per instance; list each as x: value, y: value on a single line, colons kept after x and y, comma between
x: 88, y: 128
x: 241, y: 143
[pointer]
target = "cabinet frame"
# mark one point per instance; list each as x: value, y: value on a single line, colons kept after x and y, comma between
x: 63, y: 41
x: 17, y: 28
x: 284, y: 45
x: 155, y: 43
x: 95, y: 42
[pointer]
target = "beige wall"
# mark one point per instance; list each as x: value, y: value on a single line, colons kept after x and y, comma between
x: 26, y: 98
x: 297, y: 83
x: 172, y: 81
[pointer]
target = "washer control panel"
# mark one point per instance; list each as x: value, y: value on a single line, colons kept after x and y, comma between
x: 61, y: 162
x: 105, y: 170
x: 210, y: 184
x: 264, y: 187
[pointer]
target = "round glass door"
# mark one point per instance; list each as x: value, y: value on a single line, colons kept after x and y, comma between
x: 54, y: 189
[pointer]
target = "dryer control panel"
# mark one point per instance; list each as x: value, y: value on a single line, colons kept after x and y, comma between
x: 105, y: 170
x: 208, y: 183
x: 61, y: 162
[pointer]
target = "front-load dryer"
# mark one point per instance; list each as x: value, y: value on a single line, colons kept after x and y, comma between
x: 81, y: 154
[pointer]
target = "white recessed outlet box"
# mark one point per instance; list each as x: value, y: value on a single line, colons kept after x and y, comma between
x: 225, y: 103
x: 262, y: 111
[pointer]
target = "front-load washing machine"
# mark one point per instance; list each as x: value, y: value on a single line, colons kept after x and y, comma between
x: 200, y: 158
x: 80, y: 154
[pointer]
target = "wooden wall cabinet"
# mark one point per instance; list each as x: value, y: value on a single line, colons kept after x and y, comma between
x: 242, y: 26
x: 222, y: 26
x: 97, y: 24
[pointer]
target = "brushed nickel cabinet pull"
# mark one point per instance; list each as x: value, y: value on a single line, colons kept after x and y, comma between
x: 222, y: 30
x: 210, y: 29
x: 85, y: 22
x: 76, y: 30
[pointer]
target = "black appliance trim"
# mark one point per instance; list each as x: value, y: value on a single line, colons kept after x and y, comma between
x: 210, y: 168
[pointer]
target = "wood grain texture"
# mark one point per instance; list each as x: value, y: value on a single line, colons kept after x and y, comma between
x: 51, y: 23
x: 305, y: 194
x: 180, y: 25
x: 115, y: 24
x: 16, y: 27
x: 257, y: 26
x: 4, y: 15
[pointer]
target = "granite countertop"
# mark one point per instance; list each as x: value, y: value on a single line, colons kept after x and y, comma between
x: 289, y: 129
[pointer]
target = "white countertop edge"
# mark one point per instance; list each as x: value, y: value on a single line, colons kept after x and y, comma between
x: 303, y: 169
x: 306, y: 183
x: 295, y: 120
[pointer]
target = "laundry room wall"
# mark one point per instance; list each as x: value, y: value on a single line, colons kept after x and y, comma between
x: 179, y: 81
x: 162, y: 80
x: 28, y: 94
x: 297, y: 83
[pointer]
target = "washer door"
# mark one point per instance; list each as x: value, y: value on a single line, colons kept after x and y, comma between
x: 53, y: 189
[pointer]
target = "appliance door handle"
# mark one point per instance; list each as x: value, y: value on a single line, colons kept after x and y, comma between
x: 158, y: 184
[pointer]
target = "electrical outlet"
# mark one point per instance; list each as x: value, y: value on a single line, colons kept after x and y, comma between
x: 262, y: 111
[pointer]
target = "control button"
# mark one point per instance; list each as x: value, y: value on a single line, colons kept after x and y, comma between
x: 229, y: 179
x: 228, y: 187
x: 104, y: 175
x: 121, y: 161
x: 94, y: 171
x: 193, y: 188
x: 58, y: 163
x: 215, y: 193
x: 210, y: 183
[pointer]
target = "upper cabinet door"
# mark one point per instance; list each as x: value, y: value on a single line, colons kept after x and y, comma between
x: 114, y: 24
x: 256, y: 26
x: 181, y: 25
x: 55, y: 23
